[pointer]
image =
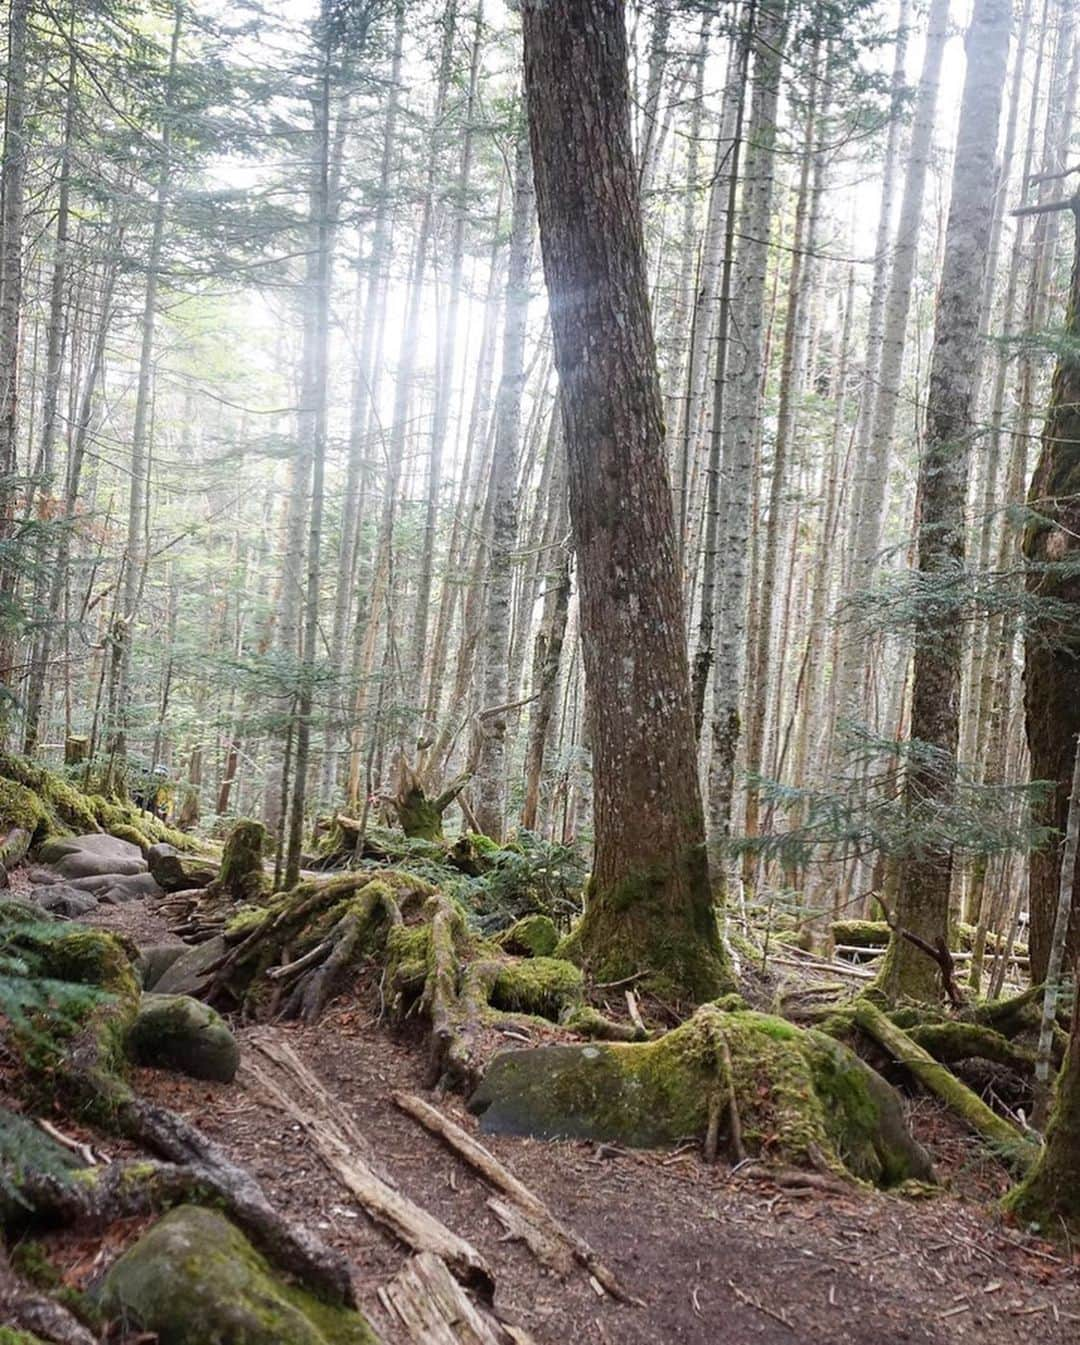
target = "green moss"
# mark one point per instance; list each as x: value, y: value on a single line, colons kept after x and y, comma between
x: 241, y: 876
x: 544, y: 986
x: 9, y: 1336
x: 801, y: 1096
x: 531, y: 936
x: 246, y: 920
x: 860, y: 933
x: 194, y: 1278
x: 21, y: 807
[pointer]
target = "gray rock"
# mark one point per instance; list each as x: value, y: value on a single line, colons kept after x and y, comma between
x: 194, y: 1279
x: 188, y: 975
x: 180, y: 1033
x: 61, y: 899
x: 114, y: 889
x: 39, y: 876
x: 86, y: 856
x: 154, y: 961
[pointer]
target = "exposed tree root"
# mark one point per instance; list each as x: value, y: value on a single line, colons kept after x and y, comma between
x: 29, y: 1310
x: 1012, y: 1146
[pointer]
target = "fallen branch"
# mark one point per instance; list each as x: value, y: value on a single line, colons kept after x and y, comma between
x: 435, y: 1310
x: 504, y: 1180
x: 335, y: 1145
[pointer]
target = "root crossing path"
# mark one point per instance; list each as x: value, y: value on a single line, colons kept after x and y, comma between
x: 693, y: 1253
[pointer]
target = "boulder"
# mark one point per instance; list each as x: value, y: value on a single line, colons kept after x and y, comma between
x: 179, y: 1033
x: 86, y: 856
x: 63, y: 899
x: 38, y: 876
x: 190, y: 974
x: 155, y: 960
x: 176, y: 872
x: 194, y: 1279
x: 800, y: 1095
x: 116, y: 889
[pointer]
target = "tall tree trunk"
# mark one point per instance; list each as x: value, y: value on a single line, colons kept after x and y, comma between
x: 873, y: 466
x: 923, y: 900
x: 135, y: 557
x: 649, y: 903
x: 742, y: 415
x: 490, y: 802
x: 315, y: 413
x: 445, y: 364
x: 12, y: 210
x: 1052, y: 668
x: 54, y: 362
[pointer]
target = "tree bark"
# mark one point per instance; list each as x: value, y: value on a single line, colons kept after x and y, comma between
x: 649, y: 902
x: 923, y: 901
x: 490, y: 802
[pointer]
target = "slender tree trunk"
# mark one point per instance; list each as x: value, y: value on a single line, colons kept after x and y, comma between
x: 490, y: 803
x: 742, y: 418
x: 873, y: 465
x: 315, y: 396
x: 12, y: 209
x: 649, y: 903
x: 923, y: 901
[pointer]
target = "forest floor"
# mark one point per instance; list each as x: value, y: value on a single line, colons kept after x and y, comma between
x: 712, y: 1254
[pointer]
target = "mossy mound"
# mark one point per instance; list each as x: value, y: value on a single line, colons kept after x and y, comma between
x: 45, y: 804
x: 176, y: 1032
x: 800, y: 1096
x: 241, y: 876
x: 531, y: 936
x: 194, y: 1279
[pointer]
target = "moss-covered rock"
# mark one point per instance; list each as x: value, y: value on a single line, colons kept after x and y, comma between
x: 860, y: 933
x: 9, y: 1336
x: 800, y: 1095
x: 92, y: 855
x: 545, y: 986
x: 176, y: 1032
x: 194, y: 1279
x: 531, y: 936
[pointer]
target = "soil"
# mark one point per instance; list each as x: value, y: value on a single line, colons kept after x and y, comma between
x: 714, y: 1254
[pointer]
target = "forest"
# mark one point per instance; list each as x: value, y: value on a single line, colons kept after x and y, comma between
x: 539, y: 672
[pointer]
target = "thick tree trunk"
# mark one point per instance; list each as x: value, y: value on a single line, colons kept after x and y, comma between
x: 923, y: 902
x: 1052, y: 669
x: 649, y: 904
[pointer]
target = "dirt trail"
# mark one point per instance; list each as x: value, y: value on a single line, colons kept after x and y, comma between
x: 714, y: 1256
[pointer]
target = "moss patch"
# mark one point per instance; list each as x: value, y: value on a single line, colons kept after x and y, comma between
x: 194, y: 1278
x: 801, y: 1096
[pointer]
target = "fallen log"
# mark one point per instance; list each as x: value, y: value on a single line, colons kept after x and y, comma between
x: 504, y: 1180
x: 435, y: 1310
x: 411, y: 1224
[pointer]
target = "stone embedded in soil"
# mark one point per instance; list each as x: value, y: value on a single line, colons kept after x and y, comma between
x: 194, y: 1279
x: 86, y: 856
x: 179, y: 1033
x: 63, y: 899
x: 190, y: 974
x: 116, y: 889
x: 155, y: 960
